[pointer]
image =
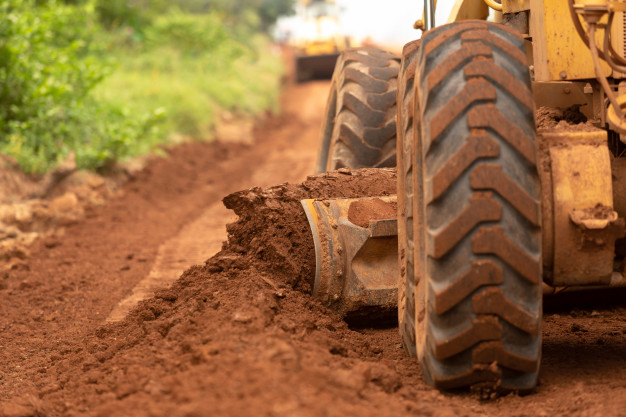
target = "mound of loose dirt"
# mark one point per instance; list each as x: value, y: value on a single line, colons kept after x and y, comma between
x: 239, y: 334
x: 361, y: 212
x: 570, y: 119
x: 272, y: 225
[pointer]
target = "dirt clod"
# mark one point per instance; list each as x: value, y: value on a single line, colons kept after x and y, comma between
x: 570, y: 119
x: 362, y: 211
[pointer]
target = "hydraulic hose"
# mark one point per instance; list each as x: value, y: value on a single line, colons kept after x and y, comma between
x: 494, y: 5
x: 607, y: 43
x: 599, y: 74
x: 585, y: 38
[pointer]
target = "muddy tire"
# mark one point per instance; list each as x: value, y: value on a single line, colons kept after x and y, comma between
x: 359, y: 128
x: 475, y: 211
x: 406, y: 283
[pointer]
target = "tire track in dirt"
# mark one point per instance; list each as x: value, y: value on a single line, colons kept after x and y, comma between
x: 193, y: 245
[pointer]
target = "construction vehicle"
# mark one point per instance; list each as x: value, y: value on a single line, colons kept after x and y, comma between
x: 492, y: 207
x: 318, y: 39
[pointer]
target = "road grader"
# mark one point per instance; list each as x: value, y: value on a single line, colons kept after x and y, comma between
x: 318, y: 40
x: 494, y: 203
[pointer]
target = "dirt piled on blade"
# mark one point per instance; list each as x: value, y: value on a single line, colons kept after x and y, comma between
x: 239, y: 333
x: 570, y: 119
x: 273, y: 227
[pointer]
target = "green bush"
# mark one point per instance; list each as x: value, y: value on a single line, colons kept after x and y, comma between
x: 194, y: 67
x: 48, y: 68
x: 193, y: 88
x: 119, y: 13
x: 197, y: 34
x: 70, y: 86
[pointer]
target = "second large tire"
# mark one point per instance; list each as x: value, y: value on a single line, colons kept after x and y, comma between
x: 359, y: 128
x: 471, y: 211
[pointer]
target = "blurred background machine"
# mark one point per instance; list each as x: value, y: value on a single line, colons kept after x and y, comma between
x: 318, y: 39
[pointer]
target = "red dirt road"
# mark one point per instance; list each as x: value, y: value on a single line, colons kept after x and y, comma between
x: 239, y: 335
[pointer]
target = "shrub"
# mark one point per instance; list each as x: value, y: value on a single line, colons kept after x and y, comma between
x: 48, y: 70
x: 189, y: 33
x: 68, y: 85
x: 194, y: 67
x: 119, y: 13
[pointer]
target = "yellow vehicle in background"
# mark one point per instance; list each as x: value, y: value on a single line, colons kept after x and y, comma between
x: 318, y: 40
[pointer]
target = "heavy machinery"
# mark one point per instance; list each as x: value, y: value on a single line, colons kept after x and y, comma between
x: 494, y: 200
x: 318, y: 39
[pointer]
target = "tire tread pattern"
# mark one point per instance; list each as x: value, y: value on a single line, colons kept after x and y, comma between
x: 480, y: 324
x: 363, y: 131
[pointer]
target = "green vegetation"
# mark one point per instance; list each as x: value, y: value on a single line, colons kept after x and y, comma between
x: 190, y: 66
x: 111, y: 79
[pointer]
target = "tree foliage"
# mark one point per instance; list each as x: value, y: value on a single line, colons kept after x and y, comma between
x: 137, y: 13
x: 48, y: 69
x: 55, y: 54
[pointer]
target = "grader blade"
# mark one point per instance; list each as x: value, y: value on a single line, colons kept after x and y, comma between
x: 315, y: 66
x: 356, y: 243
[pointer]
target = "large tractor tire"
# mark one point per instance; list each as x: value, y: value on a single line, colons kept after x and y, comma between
x: 470, y: 196
x: 359, y: 128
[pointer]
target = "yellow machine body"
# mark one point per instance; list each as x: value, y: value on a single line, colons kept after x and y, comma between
x: 580, y: 225
x: 558, y: 52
